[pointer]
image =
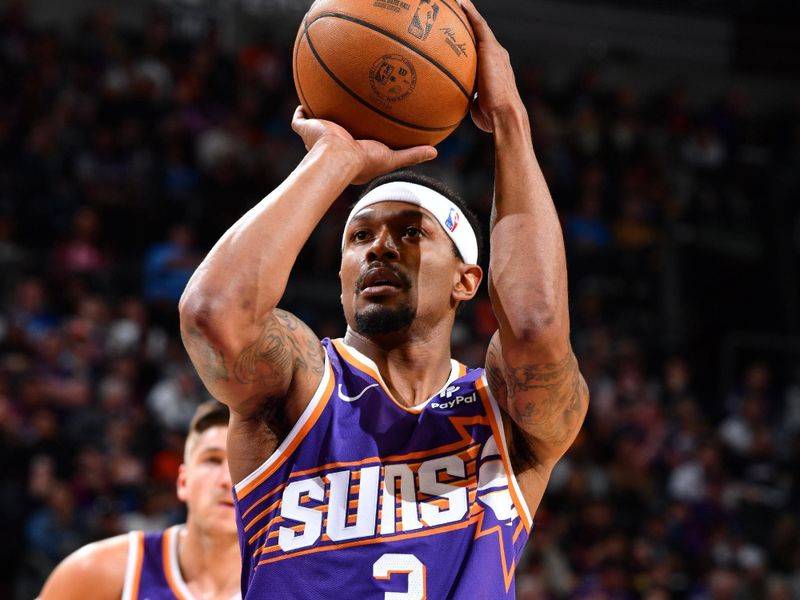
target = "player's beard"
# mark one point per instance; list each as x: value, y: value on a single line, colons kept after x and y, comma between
x: 377, y: 319
x: 381, y: 320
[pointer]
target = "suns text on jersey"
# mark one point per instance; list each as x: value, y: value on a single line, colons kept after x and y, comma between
x: 377, y: 500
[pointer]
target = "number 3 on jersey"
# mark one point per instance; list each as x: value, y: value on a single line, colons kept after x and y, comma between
x: 397, y: 564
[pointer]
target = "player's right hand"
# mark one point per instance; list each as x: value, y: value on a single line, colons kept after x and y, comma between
x: 373, y: 158
x: 498, y: 95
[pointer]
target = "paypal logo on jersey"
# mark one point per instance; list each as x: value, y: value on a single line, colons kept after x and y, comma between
x: 450, y: 399
x: 448, y: 393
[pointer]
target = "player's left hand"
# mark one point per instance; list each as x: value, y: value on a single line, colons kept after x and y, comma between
x: 373, y: 158
x: 497, y: 87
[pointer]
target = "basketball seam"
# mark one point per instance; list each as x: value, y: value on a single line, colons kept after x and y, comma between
x: 397, y: 39
x: 467, y: 28
x: 361, y: 100
x: 303, y: 98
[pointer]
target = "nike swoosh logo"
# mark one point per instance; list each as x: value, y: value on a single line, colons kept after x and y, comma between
x: 347, y: 398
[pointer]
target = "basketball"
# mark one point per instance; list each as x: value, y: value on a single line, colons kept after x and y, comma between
x: 398, y: 71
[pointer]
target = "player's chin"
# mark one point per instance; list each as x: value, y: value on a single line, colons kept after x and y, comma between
x: 222, y: 531
x: 384, y: 318
x: 222, y: 513
x: 382, y: 304
x: 223, y: 519
x: 215, y: 520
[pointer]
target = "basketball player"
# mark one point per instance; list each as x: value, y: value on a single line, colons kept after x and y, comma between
x: 197, y: 560
x: 375, y: 466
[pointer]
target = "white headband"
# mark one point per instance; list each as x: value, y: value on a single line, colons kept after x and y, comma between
x: 448, y: 215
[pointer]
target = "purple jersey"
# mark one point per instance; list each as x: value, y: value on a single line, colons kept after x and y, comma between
x: 367, y: 499
x: 152, y: 571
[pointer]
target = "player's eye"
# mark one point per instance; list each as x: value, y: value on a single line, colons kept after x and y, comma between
x: 213, y: 460
x: 412, y: 232
x: 361, y: 235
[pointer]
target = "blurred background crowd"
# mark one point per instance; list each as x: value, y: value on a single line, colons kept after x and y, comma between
x: 126, y: 152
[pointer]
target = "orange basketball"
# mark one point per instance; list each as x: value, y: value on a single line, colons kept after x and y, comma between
x: 398, y: 71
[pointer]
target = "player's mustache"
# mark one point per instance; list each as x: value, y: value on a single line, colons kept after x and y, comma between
x: 405, y: 280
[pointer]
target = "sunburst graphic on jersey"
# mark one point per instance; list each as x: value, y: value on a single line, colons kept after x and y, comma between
x: 495, y: 499
x: 493, y: 490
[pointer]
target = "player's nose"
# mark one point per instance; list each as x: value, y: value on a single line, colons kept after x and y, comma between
x: 383, y: 246
x: 225, y: 479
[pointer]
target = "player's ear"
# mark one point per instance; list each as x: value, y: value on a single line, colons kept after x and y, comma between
x: 468, y: 281
x: 181, y: 484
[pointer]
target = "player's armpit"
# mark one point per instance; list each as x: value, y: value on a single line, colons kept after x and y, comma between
x: 95, y: 571
x: 547, y: 402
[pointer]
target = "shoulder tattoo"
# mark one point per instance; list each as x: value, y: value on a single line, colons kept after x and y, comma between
x: 210, y: 359
x: 284, y: 346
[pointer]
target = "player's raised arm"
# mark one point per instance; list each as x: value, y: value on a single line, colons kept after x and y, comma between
x: 530, y: 363
x: 245, y: 350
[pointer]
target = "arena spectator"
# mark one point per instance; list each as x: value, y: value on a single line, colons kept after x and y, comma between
x: 125, y: 152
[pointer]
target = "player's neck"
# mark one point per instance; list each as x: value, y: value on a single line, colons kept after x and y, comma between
x: 210, y: 564
x: 413, y: 368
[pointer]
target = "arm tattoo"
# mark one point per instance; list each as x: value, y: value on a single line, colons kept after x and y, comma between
x: 494, y: 374
x: 285, y: 345
x: 211, y: 360
x: 547, y: 400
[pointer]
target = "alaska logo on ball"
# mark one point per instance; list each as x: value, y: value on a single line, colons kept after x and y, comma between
x: 427, y: 12
x: 392, y: 77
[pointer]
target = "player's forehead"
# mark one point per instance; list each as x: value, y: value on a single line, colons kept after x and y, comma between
x: 392, y: 210
x: 213, y: 439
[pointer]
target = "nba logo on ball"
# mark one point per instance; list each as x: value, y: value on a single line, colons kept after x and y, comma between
x: 429, y: 14
x: 393, y: 77
x: 452, y: 220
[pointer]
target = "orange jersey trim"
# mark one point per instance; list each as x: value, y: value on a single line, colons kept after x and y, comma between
x: 359, y: 364
x: 350, y: 358
x: 280, y: 456
x: 262, y: 500
x: 522, y: 508
x: 508, y: 570
x: 370, y: 541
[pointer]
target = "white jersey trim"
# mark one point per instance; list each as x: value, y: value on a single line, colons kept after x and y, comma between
x: 174, y: 566
x: 173, y: 534
x: 130, y: 566
x: 512, y: 478
x: 280, y: 452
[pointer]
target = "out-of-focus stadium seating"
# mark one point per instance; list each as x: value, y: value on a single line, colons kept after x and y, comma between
x: 125, y: 154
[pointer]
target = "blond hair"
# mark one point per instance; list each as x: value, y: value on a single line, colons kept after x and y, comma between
x: 209, y: 414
